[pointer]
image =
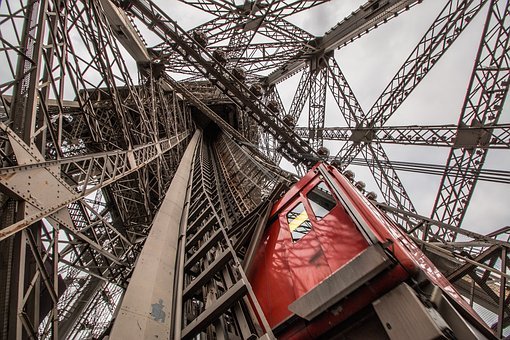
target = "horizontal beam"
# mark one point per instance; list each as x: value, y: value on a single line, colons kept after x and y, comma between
x: 135, y: 158
x: 360, y: 21
x: 367, y: 17
x: 71, y: 178
x: 437, y: 135
x: 206, y: 274
x: 487, y: 175
x: 215, y: 310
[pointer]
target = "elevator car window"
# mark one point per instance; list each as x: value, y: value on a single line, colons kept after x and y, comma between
x: 321, y: 200
x: 299, y: 223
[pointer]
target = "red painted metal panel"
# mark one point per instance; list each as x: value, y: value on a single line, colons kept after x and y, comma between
x: 284, y: 270
x: 271, y: 278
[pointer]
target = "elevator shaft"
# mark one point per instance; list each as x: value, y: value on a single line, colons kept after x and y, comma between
x: 208, y: 295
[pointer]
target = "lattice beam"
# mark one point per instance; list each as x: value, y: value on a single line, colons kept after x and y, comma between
x: 483, y: 105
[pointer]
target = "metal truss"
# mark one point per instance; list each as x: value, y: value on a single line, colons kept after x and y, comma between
x: 214, y: 282
x: 387, y: 179
x: 73, y: 119
x: 476, y: 264
x: 385, y: 175
x: 279, y: 8
x: 300, y: 97
x: 495, y: 136
x: 88, y: 151
x: 74, y: 177
x: 234, y: 27
x: 349, y: 106
x: 483, y: 106
x: 317, y: 105
x: 361, y: 21
x: 444, y: 30
x: 292, y: 146
x: 266, y: 141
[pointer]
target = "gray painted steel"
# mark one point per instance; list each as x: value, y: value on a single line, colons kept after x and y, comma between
x: 146, y: 308
x: 344, y: 281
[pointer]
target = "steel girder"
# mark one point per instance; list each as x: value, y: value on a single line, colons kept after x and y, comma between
x: 446, y: 28
x: 484, y: 174
x: 483, y: 106
x: 495, y: 136
x: 280, y: 8
x: 368, y: 17
x: 234, y: 27
x: 477, y: 265
x: 72, y: 116
x: 267, y: 143
x: 70, y: 100
x: 385, y: 176
x: 295, y: 149
x: 317, y: 104
x: 74, y: 177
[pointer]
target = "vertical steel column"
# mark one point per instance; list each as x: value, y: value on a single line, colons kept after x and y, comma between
x: 23, y: 311
x: 145, y: 311
x: 483, y: 106
x: 317, y: 103
x: 503, y: 296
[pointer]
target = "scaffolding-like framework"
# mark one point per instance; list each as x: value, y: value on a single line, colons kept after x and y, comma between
x: 89, y: 147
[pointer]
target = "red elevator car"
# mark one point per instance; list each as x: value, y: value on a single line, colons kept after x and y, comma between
x: 328, y: 253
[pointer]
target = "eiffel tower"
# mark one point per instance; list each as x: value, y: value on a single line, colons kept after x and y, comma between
x: 139, y: 160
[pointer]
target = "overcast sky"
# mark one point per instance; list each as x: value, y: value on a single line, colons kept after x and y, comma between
x: 369, y: 64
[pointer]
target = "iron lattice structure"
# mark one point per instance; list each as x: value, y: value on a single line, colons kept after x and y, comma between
x: 89, y: 146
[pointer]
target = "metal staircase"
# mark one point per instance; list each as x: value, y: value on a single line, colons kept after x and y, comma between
x: 217, y: 300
